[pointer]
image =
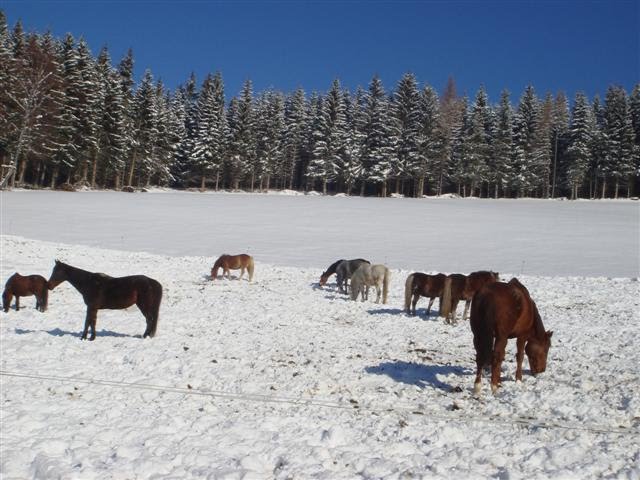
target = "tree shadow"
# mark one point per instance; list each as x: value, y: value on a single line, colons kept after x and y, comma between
x: 418, y: 374
x: 57, y: 332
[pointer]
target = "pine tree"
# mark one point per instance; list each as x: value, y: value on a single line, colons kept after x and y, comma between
x: 479, y: 140
x: 560, y: 139
x: 525, y: 143
x: 145, y: 131
x: 210, y: 136
x: 405, y: 123
x: 620, y: 137
x: 500, y: 171
x: 294, y: 139
x: 579, y: 151
x: 459, y: 170
x: 599, y: 167
x: 379, y: 156
x: 542, y: 148
x: 351, y: 170
x: 269, y: 135
x: 243, y: 139
x: 431, y: 161
x: 112, y: 140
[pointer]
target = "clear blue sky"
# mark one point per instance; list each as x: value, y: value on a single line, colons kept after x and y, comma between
x: 555, y: 45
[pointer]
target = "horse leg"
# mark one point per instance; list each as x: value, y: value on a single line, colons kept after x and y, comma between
x: 416, y: 297
x: 89, y: 321
x: 17, y: 303
x: 477, y: 386
x: 519, y: 357
x: 466, y: 310
x: 496, y: 362
x: 431, y: 300
x: 241, y: 273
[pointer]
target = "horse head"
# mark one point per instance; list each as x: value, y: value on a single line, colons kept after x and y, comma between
x: 58, y: 275
x: 537, y: 350
x: 323, y: 278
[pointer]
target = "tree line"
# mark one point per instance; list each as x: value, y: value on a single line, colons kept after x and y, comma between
x: 69, y: 117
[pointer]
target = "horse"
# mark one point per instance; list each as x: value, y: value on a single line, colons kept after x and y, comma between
x: 20, y: 286
x: 456, y: 290
x: 345, y: 270
x: 501, y: 311
x: 240, y: 262
x: 366, y: 276
x: 420, y: 284
x: 101, y: 291
x: 452, y: 293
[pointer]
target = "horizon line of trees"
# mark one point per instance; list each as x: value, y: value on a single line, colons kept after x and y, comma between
x: 69, y: 117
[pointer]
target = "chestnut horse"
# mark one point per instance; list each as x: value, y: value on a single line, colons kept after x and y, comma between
x: 463, y: 287
x: 240, y: 262
x: 101, y: 291
x: 501, y: 311
x: 422, y: 285
x: 19, y: 286
x: 333, y: 268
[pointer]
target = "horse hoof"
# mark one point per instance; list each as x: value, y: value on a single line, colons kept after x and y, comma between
x: 494, y: 389
x: 477, y: 388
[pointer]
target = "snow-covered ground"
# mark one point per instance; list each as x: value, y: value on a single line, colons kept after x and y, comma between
x: 533, y: 237
x: 281, y: 379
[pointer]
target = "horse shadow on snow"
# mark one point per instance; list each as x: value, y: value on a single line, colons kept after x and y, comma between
x: 418, y: 374
x: 57, y: 332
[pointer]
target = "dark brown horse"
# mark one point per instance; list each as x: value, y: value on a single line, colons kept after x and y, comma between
x: 101, y: 291
x: 501, y: 311
x: 240, y: 262
x: 458, y: 290
x: 19, y: 286
x: 422, y: 285
x: 343, y: 274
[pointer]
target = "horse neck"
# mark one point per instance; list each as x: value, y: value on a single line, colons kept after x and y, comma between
x: 538, y: 326
x: 77, y: 277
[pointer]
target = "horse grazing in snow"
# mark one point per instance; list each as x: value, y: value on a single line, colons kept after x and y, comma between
x: 501, y: 311
x: 101, y: 291
x: 25, y: 286
x: 367, y: 276
x: 240, y: 262
x: 422, y: 285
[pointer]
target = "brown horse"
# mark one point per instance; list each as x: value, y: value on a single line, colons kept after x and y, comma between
x: 451, y: 295
x: 101, y: 291
x: 240, y: 262
x: 458, y: 290
x: 422, y: 285
x: 501, y: 311
x: 19, y: 286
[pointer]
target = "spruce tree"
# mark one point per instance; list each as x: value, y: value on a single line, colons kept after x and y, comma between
x: 620, y: 137
x: 294, y: 139
x: 378, y: 152
x: 560, y: 139
x: 431, y: 160
x: 579, y: 150
x: 405, y: 124
x: 500, y: 171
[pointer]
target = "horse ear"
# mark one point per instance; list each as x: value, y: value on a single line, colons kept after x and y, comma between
x: 549, y: 334
x: 57, y: 261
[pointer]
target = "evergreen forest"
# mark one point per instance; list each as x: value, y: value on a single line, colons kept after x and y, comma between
x: 70, y: 118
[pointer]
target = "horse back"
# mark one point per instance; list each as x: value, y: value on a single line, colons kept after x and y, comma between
x: 503, y: 308
x: 23, y: 286
x: 122, y: 292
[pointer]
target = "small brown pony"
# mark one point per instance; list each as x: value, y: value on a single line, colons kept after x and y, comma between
x: 19, y: 286
x: 101, y: 291
x: 501, y: 311
x: 240, y: 262
x: 462, y: 287
x: 422, y: 285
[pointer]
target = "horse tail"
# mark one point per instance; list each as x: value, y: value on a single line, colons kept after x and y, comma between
x: 446, y: 298
x: 385, y: 285
x: 156, y: 298
x: 408, y: 292
x: 215, y: 268
x: 250, y: 268
x: 482, y: 312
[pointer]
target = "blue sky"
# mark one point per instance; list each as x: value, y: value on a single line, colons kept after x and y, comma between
x: 554, y: 45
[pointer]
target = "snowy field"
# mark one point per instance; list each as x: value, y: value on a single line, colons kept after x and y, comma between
x: 533, y: 237
x: 281, y: 379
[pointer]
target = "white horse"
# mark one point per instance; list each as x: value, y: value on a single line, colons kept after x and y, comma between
x: 367, y: 276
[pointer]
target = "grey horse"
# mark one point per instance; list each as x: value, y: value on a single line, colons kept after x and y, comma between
x: 345, y: 269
